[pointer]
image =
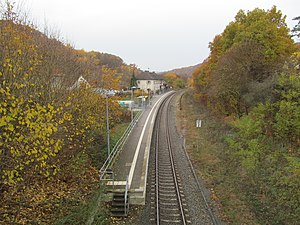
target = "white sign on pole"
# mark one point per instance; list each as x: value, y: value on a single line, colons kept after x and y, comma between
x: 198, y: 123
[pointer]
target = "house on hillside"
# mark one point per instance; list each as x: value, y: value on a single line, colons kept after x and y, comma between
x: 81, y: 82
x: 150, y: 81
x: 62, y: 82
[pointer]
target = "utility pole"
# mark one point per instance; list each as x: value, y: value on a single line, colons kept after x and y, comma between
x: 132, y: 101
x: 107, y: 127
x: 149, y: 97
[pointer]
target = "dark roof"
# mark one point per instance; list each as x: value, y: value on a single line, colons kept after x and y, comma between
x: 146, y: 75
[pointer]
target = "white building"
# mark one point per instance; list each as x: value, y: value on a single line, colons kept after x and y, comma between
x: 81, y: 82
x: 150, y: 81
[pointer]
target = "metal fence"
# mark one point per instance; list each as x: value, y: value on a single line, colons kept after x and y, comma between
x: 118, y: 146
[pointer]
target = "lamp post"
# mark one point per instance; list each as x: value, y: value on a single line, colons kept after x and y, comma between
x: 149, y: 96
x: 107, y: 127
x: 143, y: 98
x: 131, y: 105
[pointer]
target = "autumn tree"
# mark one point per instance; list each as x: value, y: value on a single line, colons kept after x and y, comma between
x: 252, y: 75
x: 243, y: 60
x: 174, y: 80
x: 47, y: 128
x: 240, y: 79
x: 28, y: 125
x: 110, y: 79
x: 266, y: 144
x: 296, y: 29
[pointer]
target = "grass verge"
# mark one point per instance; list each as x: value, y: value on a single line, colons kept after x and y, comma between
x: 212, y: 161
x: 94, y: 206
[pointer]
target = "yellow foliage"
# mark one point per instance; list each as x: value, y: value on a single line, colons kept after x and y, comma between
x: 40, y: 133
x: 110, y: 79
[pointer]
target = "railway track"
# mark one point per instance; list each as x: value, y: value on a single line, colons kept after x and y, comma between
x: 168, y: 200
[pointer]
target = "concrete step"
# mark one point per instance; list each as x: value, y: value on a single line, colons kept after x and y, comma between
x: 118, y: 204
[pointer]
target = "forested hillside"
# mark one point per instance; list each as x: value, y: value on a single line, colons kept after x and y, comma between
x: 184, y: 72
x: 251, y: 81
x: 52, y: 133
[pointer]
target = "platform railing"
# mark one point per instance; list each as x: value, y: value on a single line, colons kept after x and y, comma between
x: 110, y: 159
x: 126, y: 197
x: 109, y: 176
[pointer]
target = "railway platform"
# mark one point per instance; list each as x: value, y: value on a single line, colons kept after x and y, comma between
x: 132, y: 160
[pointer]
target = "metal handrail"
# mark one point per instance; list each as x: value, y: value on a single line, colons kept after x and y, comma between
x: 126, y: 209
x: 118, y: 145
x: 112, y: 179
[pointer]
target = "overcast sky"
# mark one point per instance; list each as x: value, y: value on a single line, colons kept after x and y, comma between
x: 158, y: 35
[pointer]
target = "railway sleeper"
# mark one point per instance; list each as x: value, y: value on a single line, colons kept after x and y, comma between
x: 171, y: 221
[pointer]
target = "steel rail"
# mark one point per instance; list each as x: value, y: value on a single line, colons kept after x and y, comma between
x: 171, y: 159
x: 157, y: 176
x: 173, y: 168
